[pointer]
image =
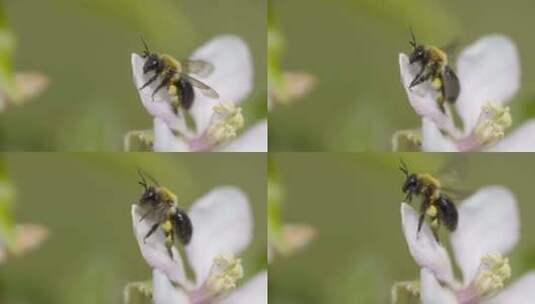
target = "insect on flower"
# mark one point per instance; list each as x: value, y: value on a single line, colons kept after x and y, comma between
x: 436, y: 205
x: 161, y: 206
x: 434, y: 67
x: 175, y: 77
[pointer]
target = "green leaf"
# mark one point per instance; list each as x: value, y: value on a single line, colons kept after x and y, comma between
x: 138, y: 293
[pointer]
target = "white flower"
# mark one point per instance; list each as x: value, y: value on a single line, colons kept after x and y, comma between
x: 489, y: 75
x: 488, y: 228
x: 217, y: 121
x: 222, y: 229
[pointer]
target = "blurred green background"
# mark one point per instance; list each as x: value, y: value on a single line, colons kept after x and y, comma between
x: 84, y: 48
x: 84, y: 200
x: 352, y: 46
x: 353, y: 200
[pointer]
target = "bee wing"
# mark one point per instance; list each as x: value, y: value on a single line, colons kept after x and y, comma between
x: 452, y: 86
x: 198, y: 67
x: 452, y: 175
x: 205, y: 89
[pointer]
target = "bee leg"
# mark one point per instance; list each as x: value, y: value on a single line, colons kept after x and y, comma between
x: 423, y: 208
x: 151, y: 231
x: 151, y: 80
x: 408, y: 197
x: 146, y: 214
x: 435, y: 234
x: 418, y: 78
x: 420, y: 222
x: 169, y: 241
x: 421, y: 77
x: 165, y: 82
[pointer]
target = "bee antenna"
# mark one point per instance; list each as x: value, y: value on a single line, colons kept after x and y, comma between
x: 152, y: 179
x: 146, y: 51
x: 403, y: 167
x: 143, y: 181
x: 412, y: 42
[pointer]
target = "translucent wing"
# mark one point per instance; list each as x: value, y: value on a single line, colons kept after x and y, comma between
x: 198, y: 67
x: 452, y: 176
x: 206, y: 90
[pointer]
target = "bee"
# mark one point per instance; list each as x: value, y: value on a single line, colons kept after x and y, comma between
x: 175, y: 77
x: 434, y: 67
x: 161, y: 206
x: 436, y: 205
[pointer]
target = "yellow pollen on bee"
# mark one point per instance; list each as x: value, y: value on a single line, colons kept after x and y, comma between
x: 167, y: 226
x: 436, y: 83
x: 431, y: 211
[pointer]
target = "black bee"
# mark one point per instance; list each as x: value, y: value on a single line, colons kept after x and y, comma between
x: 436, y: 205
x: 161, y: 206
x: 175, y: 77
x: 434, y: 67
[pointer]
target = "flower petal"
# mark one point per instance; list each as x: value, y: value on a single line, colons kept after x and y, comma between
x: 254, y: 291
x: 222, y: 224
x: 520, y: 140
x: 253, y: 140
x: 425, y: 250
x: 163, y: 292
x: 422, y: 97
x: 433, y: 140
x: 489, y: 71
x: 154, y: 251
x: 159, y: 105
x: 165, y: 140
x: 232, y: 77
x: 431, y: 291
x: 520, y: 292
x: 488, y: 222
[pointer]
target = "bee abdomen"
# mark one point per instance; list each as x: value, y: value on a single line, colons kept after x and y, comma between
x: 185, y: 93
x: 183, y: 226
x: 447, y: 212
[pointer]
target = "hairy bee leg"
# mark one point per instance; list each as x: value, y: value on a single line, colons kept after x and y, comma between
x: 169, y: 241
x: 420, y: 222
x: 435, y: 234
x: 423, y: 208
x: 418, y: 79
x: 165, y: 82
x: 151, y: 231
x: 418, y: 76
x: 151, y: 80
x: 146, y: 214
x: 408, y: 197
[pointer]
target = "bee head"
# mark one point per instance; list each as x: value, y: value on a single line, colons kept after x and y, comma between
x: 150, y: 193
x: 152, y: 60
x: 411, y: 183
x: 152, y: 63
x: 418, y: 54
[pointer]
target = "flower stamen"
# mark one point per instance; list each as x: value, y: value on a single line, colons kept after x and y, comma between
x: 492, y: 123
x: 226, y: 121
x: 226, y: 271
x: 493, y: 271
